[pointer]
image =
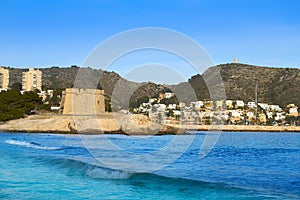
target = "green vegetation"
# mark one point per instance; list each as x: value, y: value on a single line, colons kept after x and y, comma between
x: 293, y: 120
x: 14, y: 105
x: 138, y: 102
x: 55, y: 99
x: 172, y: 100
x: 17, y: 86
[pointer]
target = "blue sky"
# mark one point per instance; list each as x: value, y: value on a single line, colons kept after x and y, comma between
x: 43, y: 33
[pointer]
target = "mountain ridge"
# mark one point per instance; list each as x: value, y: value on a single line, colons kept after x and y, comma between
x: 275, y: 85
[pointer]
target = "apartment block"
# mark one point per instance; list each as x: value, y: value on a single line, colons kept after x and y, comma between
x: 4, y: 78
x: 32, y: 80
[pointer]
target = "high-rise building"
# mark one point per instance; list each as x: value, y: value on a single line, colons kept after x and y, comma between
x: 32, y: 80
x: 4, y: 78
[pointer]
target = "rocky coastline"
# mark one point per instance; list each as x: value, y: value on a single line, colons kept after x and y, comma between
x: 120, y: 124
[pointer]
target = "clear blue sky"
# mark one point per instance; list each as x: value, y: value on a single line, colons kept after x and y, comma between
x: 43, y: 33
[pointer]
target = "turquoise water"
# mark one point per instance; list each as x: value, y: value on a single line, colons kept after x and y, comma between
x: 240, y: 166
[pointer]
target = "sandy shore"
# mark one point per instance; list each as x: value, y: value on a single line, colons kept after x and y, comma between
x: 120, y: 124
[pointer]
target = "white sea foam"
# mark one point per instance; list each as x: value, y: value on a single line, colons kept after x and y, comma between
x: 30, y: 145
x: 101, y: 173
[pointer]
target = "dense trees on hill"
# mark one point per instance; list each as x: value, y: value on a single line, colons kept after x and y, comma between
x: 14, y: 105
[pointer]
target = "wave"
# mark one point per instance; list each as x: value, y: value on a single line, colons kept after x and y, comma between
x: 101, y: 173
x: 31, y: 145
x: 96, y: 171
x: 88, y: 169
x: 85, y: 168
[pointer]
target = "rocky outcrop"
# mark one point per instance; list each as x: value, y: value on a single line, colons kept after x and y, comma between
x: 120, y: 124
x: 38, y: 123
x: 107, y: 123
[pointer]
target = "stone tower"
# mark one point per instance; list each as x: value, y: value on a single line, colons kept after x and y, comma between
x: 77, y: 101
x: 235, y: 61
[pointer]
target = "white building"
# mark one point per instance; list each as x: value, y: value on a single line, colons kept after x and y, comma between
x: 177, y: 112
x: 269, y: 115
x: 264, y: 106
x: 279, y: 116
x: 251, y: 104
x: 43, y: 95
x: 275, y: 108
x: 240, y: 103
x: 54, y: 108
x: 172, y: 106
x: 199, y: 104
x: 224, y: 116
x: 250, y: 114
x: 228, y: 104
x: 293, y: 111
x: 50, y: 93
x: 235, y: 113
x: 209, y: 105
x: 181, y: 105
x: 168, y: 95
x: 219, y: 103
x: 146, y: 105
x: 152, y: 100
x: 161, y: 107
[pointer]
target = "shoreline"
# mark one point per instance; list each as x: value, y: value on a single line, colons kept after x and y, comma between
x: 187, y: 132
x: 241, y: 128
x: 121, y: 124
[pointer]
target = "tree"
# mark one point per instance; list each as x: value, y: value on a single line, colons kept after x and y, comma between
x: 172, y: 100
x: 14, y: 105
x: 170, y: 113
x: 17, y: 86
x: 138, y: 102
x: 55, y: 100
x: 290, y: 119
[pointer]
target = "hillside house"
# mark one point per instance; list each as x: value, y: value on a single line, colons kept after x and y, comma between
x: 239, y: 104
x: 229, y: 104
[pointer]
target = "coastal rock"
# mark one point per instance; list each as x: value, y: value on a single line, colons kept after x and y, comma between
x: 121, y: 124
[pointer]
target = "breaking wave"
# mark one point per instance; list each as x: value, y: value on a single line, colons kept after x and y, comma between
x: 30, y: 145
x: 101, y: 173
x: 86, y: 169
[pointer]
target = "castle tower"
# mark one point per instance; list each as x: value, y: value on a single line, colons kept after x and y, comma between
x: 235, y: 61
x: 4, y: 78
x: 32, y: 80
x: 77, y: 101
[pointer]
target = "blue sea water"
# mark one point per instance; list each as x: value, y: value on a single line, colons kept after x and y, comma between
x: 240, y: 166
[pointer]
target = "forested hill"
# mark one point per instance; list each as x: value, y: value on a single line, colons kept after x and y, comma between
x: 275, y: 85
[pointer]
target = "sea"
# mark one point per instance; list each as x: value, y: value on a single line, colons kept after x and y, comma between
x: 239, y: 165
